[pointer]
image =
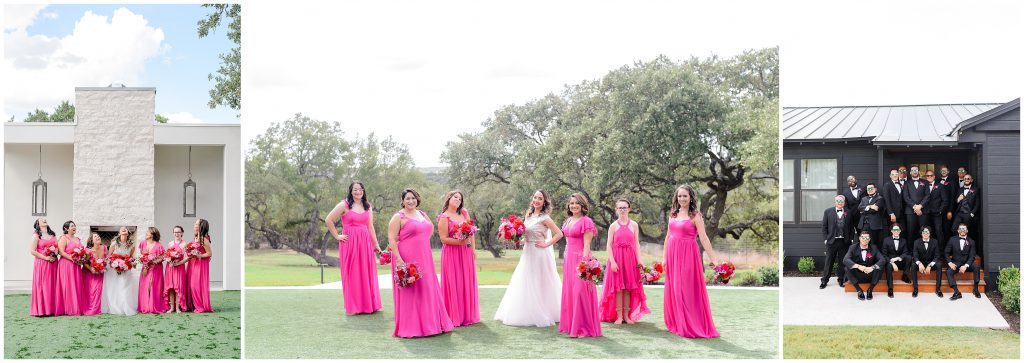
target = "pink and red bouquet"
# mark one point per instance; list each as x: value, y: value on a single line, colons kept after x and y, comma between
x: 192, y: 249
x: 99, y: 265
x: 724, y: 271
x: 406, y: 275
x: 462, y: 231
x: 121, y: 263
x: 649, y: 275
x: 148, y: 259
x: 512, y: 229
x: 51, y: 251
x: 81, y: 255
x: 384, y: 258
x: 173, y: 255
x: 590, y: 270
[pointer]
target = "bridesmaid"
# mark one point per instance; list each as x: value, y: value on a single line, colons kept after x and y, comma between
x: 70, y: 281
x: 151, y: 281
x: 94, y: 278
x: 687, y: 310
x: 44, y: 270
x: 356, y: 248
x: 419, y: 308
x: 579, y: 315
x: 458, y: 264
x: 175, y: 294
x: 623, y: 298
x: 199, y: 269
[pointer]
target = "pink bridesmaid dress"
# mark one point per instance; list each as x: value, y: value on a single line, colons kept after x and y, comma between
x: 199, y: 282
x: 176, y: 279
x: 579, y: 315
x: 151, y: 283
x: 627, y: 279
x: 71, y: 291
x: 419, y: 308
x: 358, y: 265
x: 44, y: 281
x: 687, y: 310
x: 458, y: 279
x: 94, y: 282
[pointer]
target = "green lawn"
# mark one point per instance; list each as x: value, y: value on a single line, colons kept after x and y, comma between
x: 195, y: 336
x: 312, y: 324
x: 852, y: 342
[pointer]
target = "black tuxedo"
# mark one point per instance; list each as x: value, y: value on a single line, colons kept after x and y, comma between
x: 935, y: 210
x: 872, y: 220
x: 949, y: 185
x: 891, y: 250
x: 927, y: 256
x: 837, y: 233
x: 964, y: 209
x: 915, y: 193
x: 894, y: 205
x: 853, y: 202
x: 872, y: 257
x: 961, y: 256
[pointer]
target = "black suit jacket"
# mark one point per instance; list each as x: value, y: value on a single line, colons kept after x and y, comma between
x: 851, y: 201
x: 853, y: 257
x: 832, y: 226
x: 874, y: 220
x: 914, y: 194
x: 890, y: 250
x: 938, y: 200
x: 960, y: 256
x: 893, y: 199
x: 969, y: 205
x: 926, y: 255
x: 951, y: 185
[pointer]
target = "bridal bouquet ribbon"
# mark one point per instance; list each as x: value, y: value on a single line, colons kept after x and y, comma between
x: 724, y: 271
x: 462, y: 231
x: 406, y: 275
x: 173, y: 255
x: 590, y: 270
x: 121, y: 263
x: 512, y: 230
x: 192, y: 249
x: 650, y: 275
x: 384, y: 258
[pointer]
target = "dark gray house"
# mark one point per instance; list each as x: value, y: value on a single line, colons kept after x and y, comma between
x: 822, y: 145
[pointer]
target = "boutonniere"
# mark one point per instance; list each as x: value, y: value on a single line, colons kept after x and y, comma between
x: 869, y: 254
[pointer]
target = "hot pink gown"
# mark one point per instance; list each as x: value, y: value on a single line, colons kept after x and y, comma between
x: 71, y: 291
x: 151, y: 283
x: 627, y: 279
x: 687, y: 310
x: 579, y: 315
x: 44, y: 281
x: 358, y: 265
x: 94, y: 282
x: 458, y: 280
x: 176, y: 279
x: 419, y: 308
x: 199, y: 282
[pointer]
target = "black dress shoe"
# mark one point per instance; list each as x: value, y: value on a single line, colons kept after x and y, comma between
x: 869, y: 295
x: 956, y: 295
x: 842, y: 283
x: 938, y: 292
x: 915, y: 293
x: 860, y: 295
x: 977, y: 294
x: 822, y: 286
x: 889, y: 293
x: 906, y: 279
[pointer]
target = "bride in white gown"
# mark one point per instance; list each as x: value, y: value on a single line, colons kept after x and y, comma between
x: 534, y: 294
x: 121, y: 291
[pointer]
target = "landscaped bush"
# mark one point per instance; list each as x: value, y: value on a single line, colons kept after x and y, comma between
x: 806, y: 264
x: 744, y: 278
x: 768, y: 275
x: 1009, y: 286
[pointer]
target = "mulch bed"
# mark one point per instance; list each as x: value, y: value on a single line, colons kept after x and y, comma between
x: 1011, y: 318
x: 800, y: 274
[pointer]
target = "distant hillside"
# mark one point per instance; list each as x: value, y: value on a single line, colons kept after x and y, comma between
x: 434, y: 174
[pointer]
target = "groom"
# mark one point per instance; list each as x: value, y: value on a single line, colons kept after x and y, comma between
x: 836, y: 228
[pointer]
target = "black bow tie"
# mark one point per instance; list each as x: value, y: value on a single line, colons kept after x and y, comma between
x: 839, y: 210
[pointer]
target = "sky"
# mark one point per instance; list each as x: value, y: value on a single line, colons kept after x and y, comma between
x: 50, y: 50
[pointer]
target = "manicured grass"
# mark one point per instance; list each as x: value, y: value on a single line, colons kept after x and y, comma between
x: 856, y: 342
x: 215, y: 335
x: 312, y: 324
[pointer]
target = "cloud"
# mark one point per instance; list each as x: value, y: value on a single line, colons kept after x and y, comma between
x: 181, y: 118
x: 100, y: 50
x: 19, y: 17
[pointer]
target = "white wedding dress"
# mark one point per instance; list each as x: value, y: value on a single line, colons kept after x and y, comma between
x: 120, y: 291
x: 534, y: 294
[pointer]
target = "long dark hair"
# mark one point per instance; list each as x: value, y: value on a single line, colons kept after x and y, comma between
x: 544, y: 209
x: 156, y: 234
x: 204, y: 230
x: 691, y: 209
x: 67, y: 225
x: 39, y: 232
x: 448, y: 197
x: 350, y: 199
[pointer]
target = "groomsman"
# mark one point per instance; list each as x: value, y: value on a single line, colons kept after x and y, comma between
x: 899, y: 254
x: 892, y: 191
x: 864, y: 264
x: 853, y: 193
x: 960, y: 252
x: 926, y: 260
x: 950, y: 186
x: 960, y: 173
x: 915, y: 197
x: 903, y: 175
x: 937, y: 203
x: 871, y: 209
x: 966, y: 201
x: 837, y: 229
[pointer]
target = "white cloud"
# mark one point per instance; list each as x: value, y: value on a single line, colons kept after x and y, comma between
x: 181, y: 118
x: 20, y: 16
x: 51, y: 15
x: 99, y: 51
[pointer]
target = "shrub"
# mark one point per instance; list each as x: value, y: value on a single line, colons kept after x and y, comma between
x: 1009, y: 286
x: 768, y: 275
x: 744, y: 278
x: 806, y: 264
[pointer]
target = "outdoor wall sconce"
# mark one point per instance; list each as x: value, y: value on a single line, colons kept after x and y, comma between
x: 189, y: 193
x: 39, y: 190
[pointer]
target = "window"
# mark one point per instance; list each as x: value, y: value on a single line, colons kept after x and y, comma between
x: 818, y: 181
x: 788, y: 195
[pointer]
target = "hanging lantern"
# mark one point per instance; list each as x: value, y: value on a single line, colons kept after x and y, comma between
x: 39, y: 190
x: 189, y: 192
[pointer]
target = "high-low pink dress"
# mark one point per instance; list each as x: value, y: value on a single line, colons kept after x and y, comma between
x: 71, y: 291
x: 94, y: 284
x: 199, y: 282
x: 44, y: 281
x: 687, y: 310
x: 419, y: 308
x: 579, y: 315
x: 176, y: 279
x: 358, y: 265
x: 627, y: 279
x: 458, y: 279
x: 151, y: 283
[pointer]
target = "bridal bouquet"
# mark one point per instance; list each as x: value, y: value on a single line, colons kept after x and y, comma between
x: 81, y: 255
x: 649, y: 275
x: 384, y: 258
x: 51, y: 251
x: 512, y: 230
x: 724, y: 271
x: 462, y: 231
x: 590, y: 270
x: 406, y: 275
x: 192, y: 249
x: 121, y: 263
x: 173, y: 255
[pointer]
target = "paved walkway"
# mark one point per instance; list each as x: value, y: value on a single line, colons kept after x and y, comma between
x: 804, y: 304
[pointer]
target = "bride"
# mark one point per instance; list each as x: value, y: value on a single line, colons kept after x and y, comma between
x: 533, y: 297
x: 121, y: 291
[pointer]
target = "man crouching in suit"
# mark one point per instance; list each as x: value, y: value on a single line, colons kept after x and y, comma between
x: 864, y: 263
x: 899, y: 254
x: 926, y: 259
x: 960, y: 252
x: 837, y: 229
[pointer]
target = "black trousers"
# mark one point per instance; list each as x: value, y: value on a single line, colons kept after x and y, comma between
x: 947, y: 226
x: 950, y: 273
x: 902, y: 264
x: 876, y: 237
x: 857, y: 276
x: 834, y: 253
x: 914, y: 270
x: 935, y: 221
x: 914, y: 224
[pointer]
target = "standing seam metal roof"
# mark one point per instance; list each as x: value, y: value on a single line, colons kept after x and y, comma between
x: 898, y: 124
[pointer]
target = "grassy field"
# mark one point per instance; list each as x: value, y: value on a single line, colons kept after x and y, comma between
x: 849, y: 342
x: 215, y: 335
x: 312, y: 324
x: 266, y: 267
